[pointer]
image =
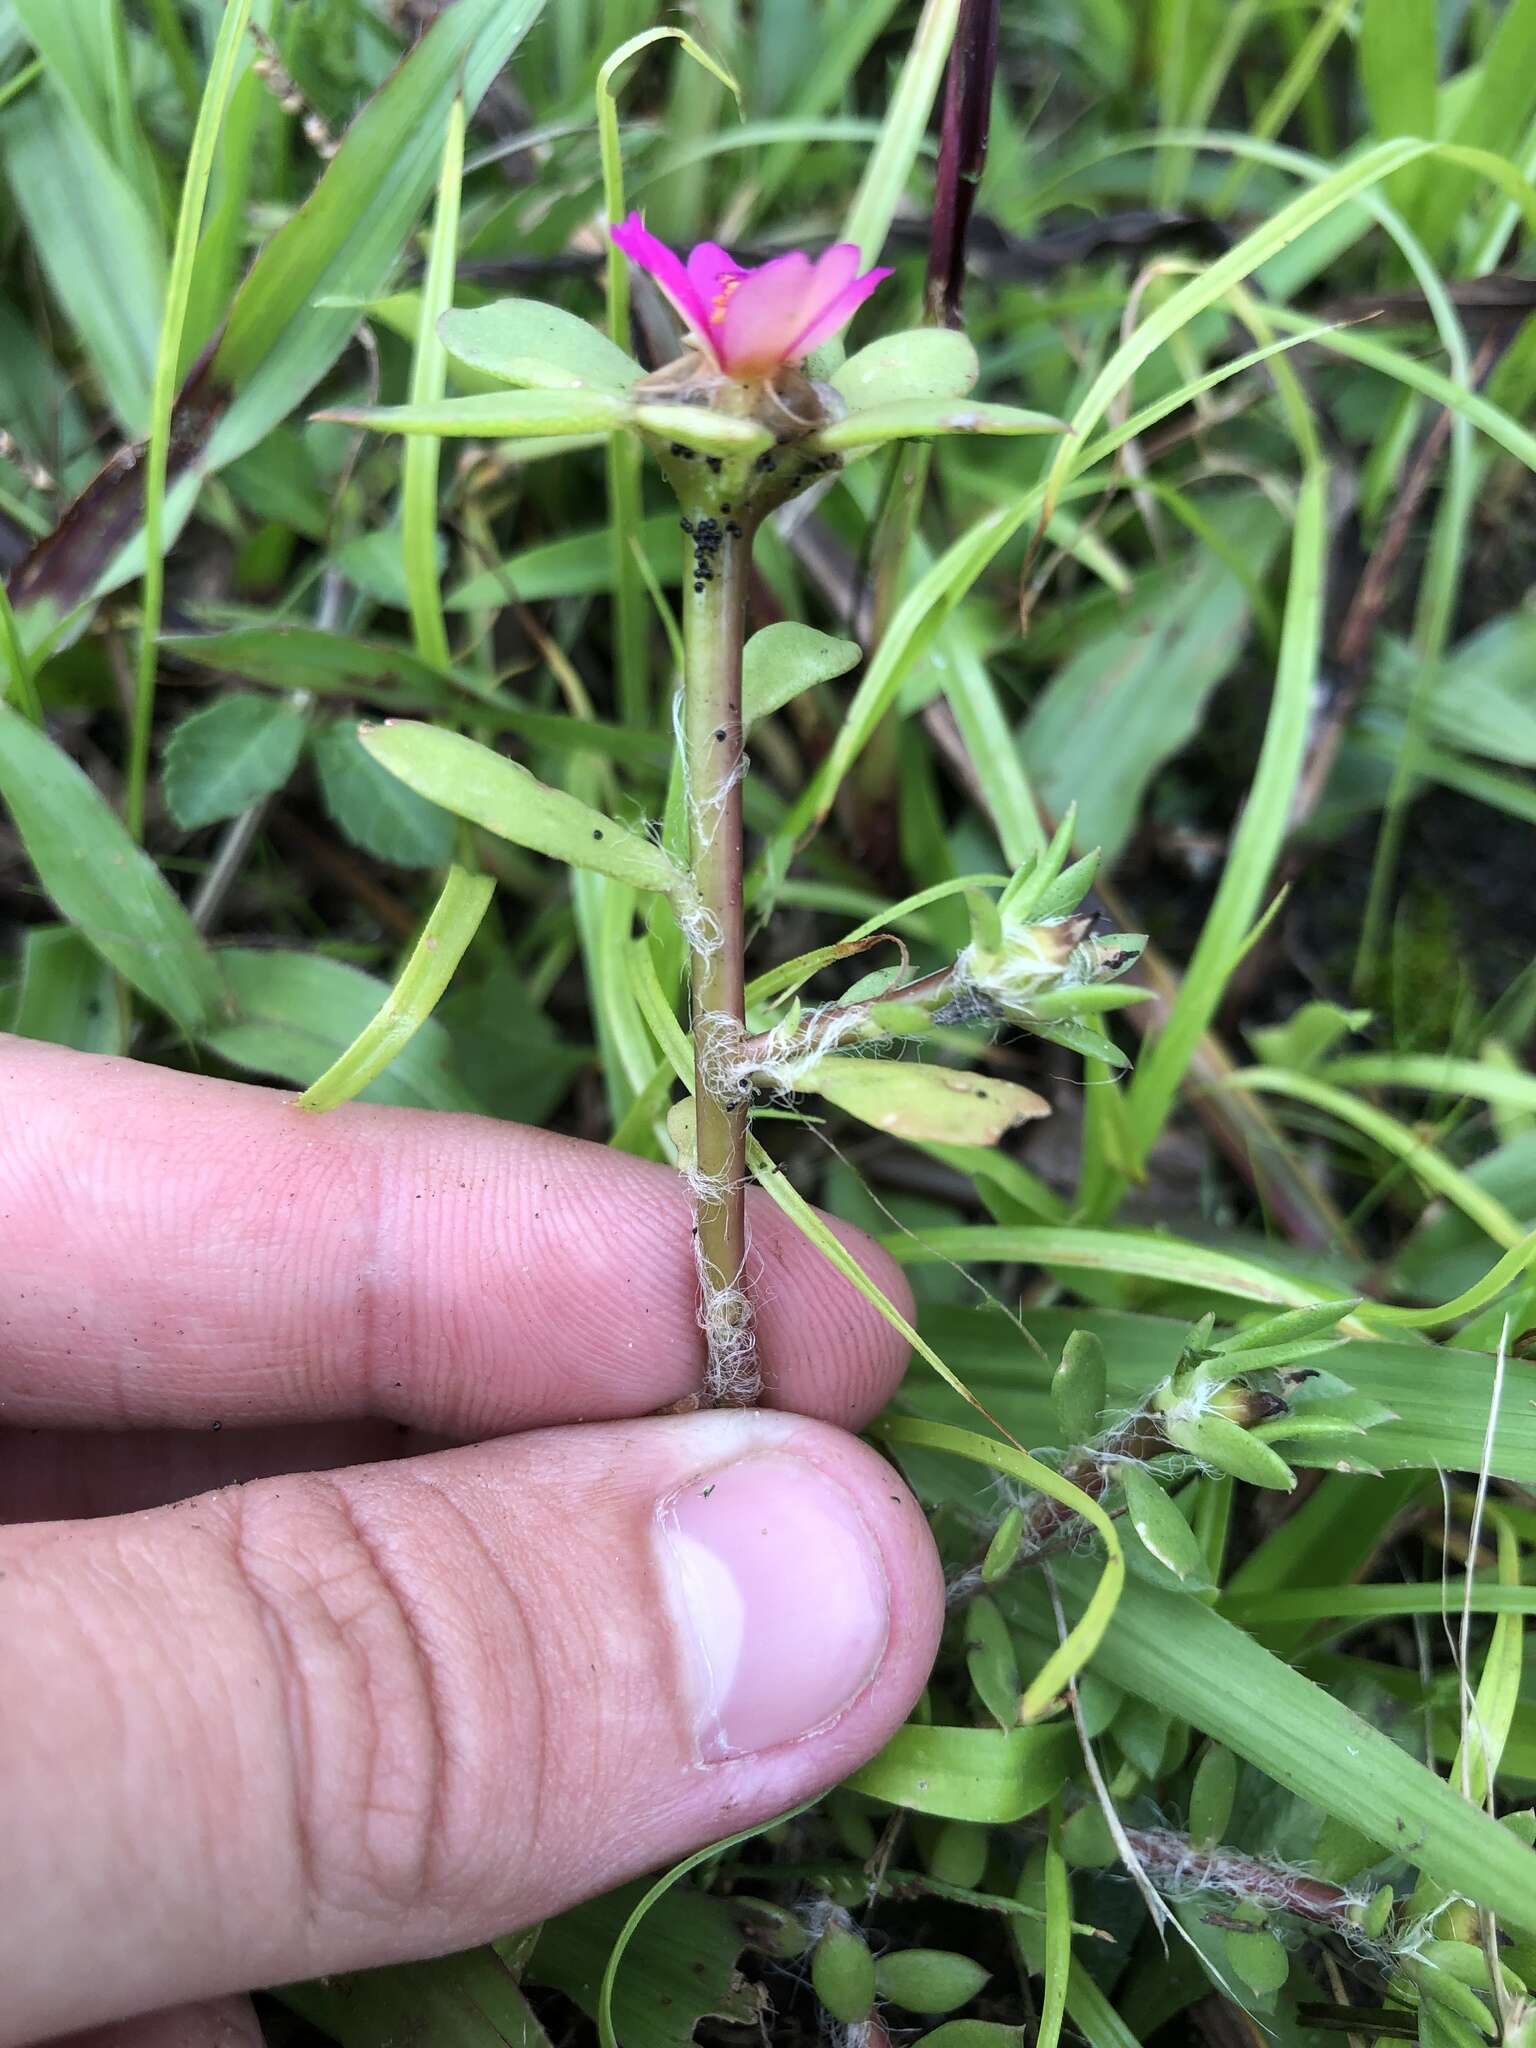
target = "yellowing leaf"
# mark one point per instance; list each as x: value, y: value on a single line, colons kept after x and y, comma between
x: 929, y: 1105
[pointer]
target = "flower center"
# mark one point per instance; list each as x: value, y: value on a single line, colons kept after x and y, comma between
x: 729, y: 281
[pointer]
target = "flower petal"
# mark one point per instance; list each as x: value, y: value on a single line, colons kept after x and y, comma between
x: 710, y: 267
x: 831, y: 314
x: 671, y: 274
x: 764, y: 314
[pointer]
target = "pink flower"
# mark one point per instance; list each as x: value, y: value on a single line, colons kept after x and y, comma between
x: 752, y: 322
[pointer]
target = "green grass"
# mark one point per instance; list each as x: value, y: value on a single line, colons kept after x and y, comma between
x: 1260, y: 615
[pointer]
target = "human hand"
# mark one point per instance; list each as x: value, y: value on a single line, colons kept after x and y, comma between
x: 313, y: 1723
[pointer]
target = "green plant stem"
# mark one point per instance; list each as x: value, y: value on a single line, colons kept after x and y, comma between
x: 178, y: 293
x: 714, y: 619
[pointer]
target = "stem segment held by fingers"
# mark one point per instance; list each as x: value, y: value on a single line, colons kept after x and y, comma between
x: 714, y: 618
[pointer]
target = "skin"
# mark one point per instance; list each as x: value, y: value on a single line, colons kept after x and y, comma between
x: 372, y: 1697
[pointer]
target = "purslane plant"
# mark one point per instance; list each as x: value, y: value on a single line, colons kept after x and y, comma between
x: 745, y: 419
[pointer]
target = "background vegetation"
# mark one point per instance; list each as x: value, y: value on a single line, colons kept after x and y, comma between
x: 1264, y: 619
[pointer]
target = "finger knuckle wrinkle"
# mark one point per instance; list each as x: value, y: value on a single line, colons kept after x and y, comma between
x: 363, y: 1720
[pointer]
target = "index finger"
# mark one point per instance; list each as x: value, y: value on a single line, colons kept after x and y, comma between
x: 183, y: 1251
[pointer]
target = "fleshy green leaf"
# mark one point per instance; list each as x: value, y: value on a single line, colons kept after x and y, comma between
x: 1161, y: 1526
x: 524, y: 342
x: 374, y: 808
x: 921, y: 419
x: 695, y: 426
x: 493, y: 416
x: 489, y: 790
x: 922, y: 365
x: 1217, y: 1441
x: 843, y: 1972
x: 229, y: 755
x: 929, y: 1980
x: 100, y: 881
x: 1078, y: 1387
x: 786, y: 658
x: 991, y: 1661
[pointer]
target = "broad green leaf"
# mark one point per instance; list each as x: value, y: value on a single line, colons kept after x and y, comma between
x: 923, y: 364
x: 1481, y: 699
x: 991, y: 1662
x: 464, y: 2001
x: 573, y: 566
x: 69, y: 994
x: 488, y: 1014
x: 374, y: 808
x: 1160, y: 1524
x: 679, y: 1965
x: 294, y: 1014
x: 454, y: 921
x: 1306, y: 1036
x: 495, y: 416
x: 522, y: 341
x: 976, y: 1774
x: 1211, y: 1796
x: 781, y: 660
x: 934, y: 1105
x: 100, y: 881
x: 1078, y: 1388
x: 1129, y: 697
x: 291, y: 656
x: 296, y: 311
x: 229, y: 755
x: 492, y: 791
x: 101, y: 250
x: 1178, y: 1654
x: 1259, y: 1958
x: 920, y: 419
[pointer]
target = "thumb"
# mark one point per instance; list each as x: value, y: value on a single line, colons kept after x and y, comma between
x: 320, y: 1723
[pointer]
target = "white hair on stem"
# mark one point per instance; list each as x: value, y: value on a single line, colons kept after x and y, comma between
x: 731, y: 1375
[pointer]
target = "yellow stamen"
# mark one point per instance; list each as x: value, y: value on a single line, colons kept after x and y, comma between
x: 730, y: 279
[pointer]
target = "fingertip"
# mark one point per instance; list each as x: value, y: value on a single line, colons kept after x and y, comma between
x: 829, y: 1349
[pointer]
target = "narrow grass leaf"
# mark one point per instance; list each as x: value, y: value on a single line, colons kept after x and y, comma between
x: 453, y: 923
x: 1184, y: 1658
x: 429, y: 370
